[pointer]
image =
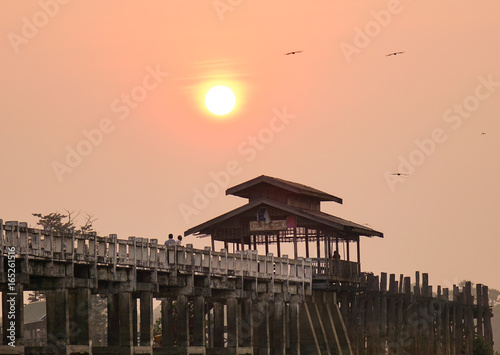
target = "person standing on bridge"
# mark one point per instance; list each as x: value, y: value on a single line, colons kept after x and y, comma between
x: 179, y: 240
x: 170, y: 241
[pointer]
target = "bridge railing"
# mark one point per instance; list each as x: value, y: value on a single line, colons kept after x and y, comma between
x: 148, y: 253
x: 335, y: 270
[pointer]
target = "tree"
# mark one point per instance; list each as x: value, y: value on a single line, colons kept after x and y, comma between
x: 65, y: 223
x: 481, y: 346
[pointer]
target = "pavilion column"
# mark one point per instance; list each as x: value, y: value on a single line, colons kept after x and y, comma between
x: 295, y: 243
x: 267, y: 243
x: 278, y: 246
x: 359, y: 255
x: 7, y: 302
x: 347, y: 249
x: 57, y: 320
x: 307, y: 242
x: 146, y: 298
x: 318, y: 245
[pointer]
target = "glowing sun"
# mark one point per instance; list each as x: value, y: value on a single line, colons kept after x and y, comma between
x: 220, y: 100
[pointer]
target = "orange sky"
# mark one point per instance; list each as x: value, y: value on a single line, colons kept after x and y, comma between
x: 92, y: 76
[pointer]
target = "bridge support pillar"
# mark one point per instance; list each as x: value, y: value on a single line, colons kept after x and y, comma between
x: 245, y: 331
x: 232, y: 325
x: 12, y: 310
x: 199, y: 321
x: 146, y: 299
x: 167, y: 321
x: 294, y: 328
x: 125, y: 317
x: 218, y: 310
x: 120, y: 328
x: 113, y: 320
x: 57, y: 321
x: 182, y: 321
x: 260, y: 324
x: 79, y: 317
x: 279, y: 327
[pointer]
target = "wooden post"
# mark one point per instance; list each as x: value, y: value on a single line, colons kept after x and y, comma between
x: 480, y: 309
x: 134, y: 320
x: 218, y: 325
x: 245, y: 323
x: 468, y: 318
x: 182, y: 321
x: 125, y: 319
x: 279, y: 334
x: 199, y: 321
x: 294, y: 324
x: 168, y: 323
x: 267, y: 243
x: 146, y: 299
x: 488, y: 334
x: 260, y: 324
x: 348, y: 253
x: 113, y: 320
x: 79, y: 316
x: 232, y: 324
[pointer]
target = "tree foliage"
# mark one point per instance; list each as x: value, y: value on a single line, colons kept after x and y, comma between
x: 65, y: 223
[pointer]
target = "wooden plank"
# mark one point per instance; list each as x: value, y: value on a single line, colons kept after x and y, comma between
x: 480, y: 309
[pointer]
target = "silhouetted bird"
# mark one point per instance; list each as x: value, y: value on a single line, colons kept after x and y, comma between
x: 394, y: 53
x: 399, y: 174
x: 294, y: 52
x: 483, y: 134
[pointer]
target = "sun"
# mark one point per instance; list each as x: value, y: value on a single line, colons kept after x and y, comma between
x: 220, y: 100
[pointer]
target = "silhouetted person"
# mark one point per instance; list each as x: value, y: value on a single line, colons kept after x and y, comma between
x: 336, y: 255
x: 170, y: 240
x: 179, y: 239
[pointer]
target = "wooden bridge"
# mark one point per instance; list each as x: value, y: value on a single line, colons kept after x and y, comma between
x: 224, y: 303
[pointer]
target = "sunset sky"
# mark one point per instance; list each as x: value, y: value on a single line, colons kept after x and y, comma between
x: 102, y: 106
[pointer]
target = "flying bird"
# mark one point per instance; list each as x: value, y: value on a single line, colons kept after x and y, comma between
x: 399, y: 174
x: 294, y: 52
x: 394, y: 53
x: 483, y: 134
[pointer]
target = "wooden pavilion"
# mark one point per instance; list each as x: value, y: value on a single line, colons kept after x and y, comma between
x: 280, y: 211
